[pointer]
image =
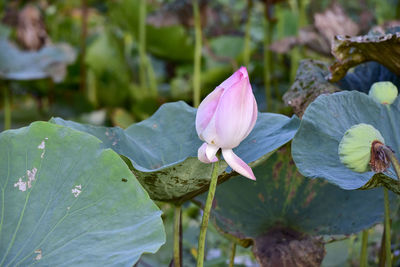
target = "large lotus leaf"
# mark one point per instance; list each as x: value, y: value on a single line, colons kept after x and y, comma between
x: 65, y: 201
x: 163, y: 149
x: 351, y: 51
x: 315, y: 146
x: 282, y: 201
x: 311, y: 81
x: 50, y: 61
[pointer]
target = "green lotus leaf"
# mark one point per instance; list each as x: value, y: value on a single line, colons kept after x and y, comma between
x: 163, y: 149
x: 66, y: 201
x: 315, y: 146
x: 282, y: 203
x: 50, y: 61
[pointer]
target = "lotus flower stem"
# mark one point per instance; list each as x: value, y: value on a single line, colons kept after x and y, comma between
x: 197, y: 55
x: 7, y: 108
x: 364, y: 246
x: 247, y: 48
x: 388, y: 251
x: 206, y: 214
x: 268, y: 31
x: 233, y: 252
x: 178, y: 236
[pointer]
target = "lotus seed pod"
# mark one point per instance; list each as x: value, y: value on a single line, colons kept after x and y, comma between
x: 383, y: 92
x: 355, y: 146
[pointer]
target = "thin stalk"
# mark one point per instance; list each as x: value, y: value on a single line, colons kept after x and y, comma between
x: 197, y: 54
x: 152, y: 78
x: 7, y: 108
x: 387, y: 229
x: 268, y: 30
x: 206, y: 214
x: 84, y: 31
x: 299, y: 9
x: 233, y: 252
x: 177, y: 236
x: 247, y: 48
x: 364, y: 246
x: 142, y: 44
x: 382, y: 250
x: 398, y: 9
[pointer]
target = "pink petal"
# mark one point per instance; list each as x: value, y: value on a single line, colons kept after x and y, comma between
x: 237, y: 164
x: 234, y: 116
x: 234, y: 78
x: 253, y: 119
x: 201, y: 154
x: 206, y: 110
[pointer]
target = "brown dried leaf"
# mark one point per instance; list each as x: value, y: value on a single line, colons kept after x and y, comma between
x: 334, y: 21
x: 31, y: 31
x: 352, y: 51
x: 319, y: 37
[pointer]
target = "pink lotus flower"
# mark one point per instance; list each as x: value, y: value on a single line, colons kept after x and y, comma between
x: 226, y: 117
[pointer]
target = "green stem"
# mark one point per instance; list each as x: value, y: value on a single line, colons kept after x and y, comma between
x: 7, y: 108
x: 142, y: 44
x: 197, y: 55
x: 364, y: 246
x: 206, y: 214
x: 387, y: 229
x: 177, y: 236
x: 247, y: 48
x: 84, y: 31
x: 268, y: 30
x: 233, y: 252
x: 152, y: 78
x: 398, y: 10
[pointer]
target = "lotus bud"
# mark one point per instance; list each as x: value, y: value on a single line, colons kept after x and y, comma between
x: 383, y: 92
x: 356, y: 144
x: 225, y: 118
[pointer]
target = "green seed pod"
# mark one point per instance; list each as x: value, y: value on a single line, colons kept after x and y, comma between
x: 355, y: 146
x: 383, y: 92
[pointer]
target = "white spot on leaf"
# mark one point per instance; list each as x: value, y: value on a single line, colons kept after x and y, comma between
x: 21, y: 185
x: 39, y: 254
x: 30, y: 177
x: 77, y: 190
x: 42, y: 145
